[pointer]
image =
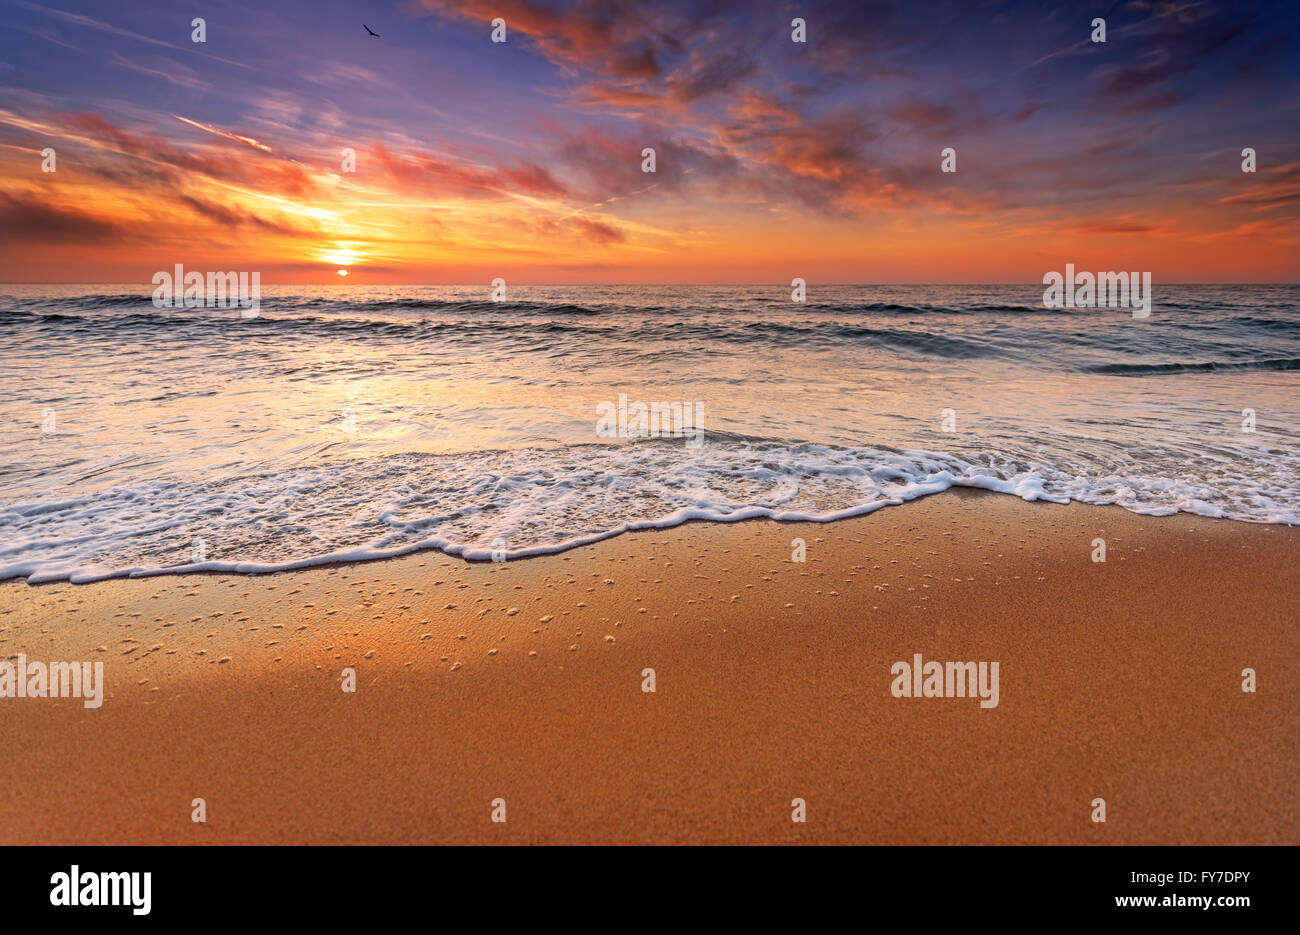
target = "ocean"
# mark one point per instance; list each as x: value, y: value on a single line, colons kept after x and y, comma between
x: 354, y: 422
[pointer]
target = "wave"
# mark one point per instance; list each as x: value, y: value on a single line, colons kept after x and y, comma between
x: 439, y: 305
x: 109, y: 301
x: 904, y: 309
x: 526, y: 502
x: 642, y: 335
x: 777, y: 334
x: 98, y: 300
x: 1137, y: 370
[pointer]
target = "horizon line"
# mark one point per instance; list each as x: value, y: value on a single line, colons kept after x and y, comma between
x: 123, y: 282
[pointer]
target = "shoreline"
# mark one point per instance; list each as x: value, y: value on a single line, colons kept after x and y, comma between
x: 334, y: 560
x: 1120, y: 680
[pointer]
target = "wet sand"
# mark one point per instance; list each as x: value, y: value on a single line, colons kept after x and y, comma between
x: 523, y: 681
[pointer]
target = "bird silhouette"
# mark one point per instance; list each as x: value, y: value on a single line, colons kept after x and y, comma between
x: 371, y: 31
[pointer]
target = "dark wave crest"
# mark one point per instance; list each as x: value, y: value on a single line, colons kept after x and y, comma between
x: 1138, y: 370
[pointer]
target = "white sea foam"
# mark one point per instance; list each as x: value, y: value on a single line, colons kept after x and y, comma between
x: 539, y: 501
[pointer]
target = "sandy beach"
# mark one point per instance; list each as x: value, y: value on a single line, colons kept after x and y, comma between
x: 523, y: 681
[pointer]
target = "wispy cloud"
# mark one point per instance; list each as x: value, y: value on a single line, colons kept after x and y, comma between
x: 217, y: 131
x: 89, y: 22
x: 168, y: 71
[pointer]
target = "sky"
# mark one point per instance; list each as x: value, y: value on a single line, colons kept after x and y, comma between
x: 774, y: 159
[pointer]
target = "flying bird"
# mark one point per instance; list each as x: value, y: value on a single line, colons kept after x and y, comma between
x: 371, y: 31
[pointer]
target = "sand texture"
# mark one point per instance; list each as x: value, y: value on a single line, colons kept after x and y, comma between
x: 523, y: 681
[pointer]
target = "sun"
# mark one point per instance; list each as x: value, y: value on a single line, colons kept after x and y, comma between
x: 343, y: 272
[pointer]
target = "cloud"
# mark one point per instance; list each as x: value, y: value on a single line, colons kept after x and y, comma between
x: 923, y: 114
x: 1114, y: 227
x: 259, y: 170
x: 616, y: 41
x: 24, y: 218
x: 235, y: 137
x: 712, y: 73
x: 1178, y: 38
x: 429, y: 174
x: 1276, y: 186
x: 535, y: 149
x: 586, y: 228
x: 231, y: 216
x: 174, y: 74
x: 89, y: 22
x: 607, y: 167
